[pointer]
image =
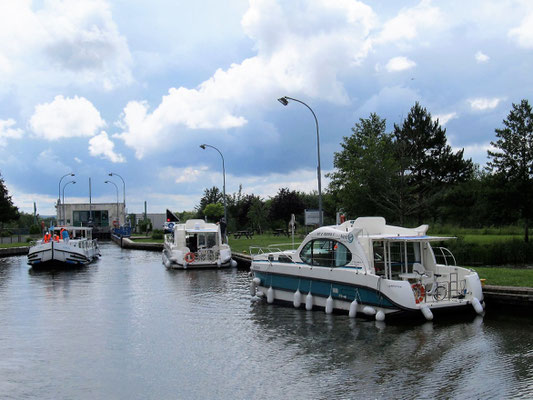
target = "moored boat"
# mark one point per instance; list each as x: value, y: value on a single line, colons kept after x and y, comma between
x: 65, y: 246
x: 196, y: 244
x: 367, y: 267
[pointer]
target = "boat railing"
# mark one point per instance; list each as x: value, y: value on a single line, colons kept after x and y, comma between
x: 206, y: 255
x: 443, y: 254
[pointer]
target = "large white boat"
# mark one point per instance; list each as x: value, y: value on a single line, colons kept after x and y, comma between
x: 196, y: 244
x: 64, y: 246
x: 370, y: 268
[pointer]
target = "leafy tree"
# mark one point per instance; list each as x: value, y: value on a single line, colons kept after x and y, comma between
x: 513, y: 158
x: 428, y: 164
x: 211, y: 196
x: 285, y: 203
x: 258, y: 214
x: 365, y: 169
x: 8, y: 212
x: 214, y: 211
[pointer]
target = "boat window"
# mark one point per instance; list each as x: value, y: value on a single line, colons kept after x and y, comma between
x: 325, y: 253
x: 211, y: 239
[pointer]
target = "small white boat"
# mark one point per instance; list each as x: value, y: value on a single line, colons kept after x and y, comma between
x: 196, y: 244
x: 64, y: 246
x: 369, y: 268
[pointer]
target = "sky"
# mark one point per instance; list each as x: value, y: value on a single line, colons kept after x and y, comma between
x: 134, y: 87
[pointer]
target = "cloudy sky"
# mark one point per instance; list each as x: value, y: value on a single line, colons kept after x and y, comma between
x: 134, y: 87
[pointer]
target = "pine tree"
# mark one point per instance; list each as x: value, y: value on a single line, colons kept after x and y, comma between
x: 513, y: 158
x: 428, y: 163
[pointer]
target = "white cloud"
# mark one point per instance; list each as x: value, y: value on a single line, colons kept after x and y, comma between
x: 297, y: 53
x: 445, y: 118
x: 101, y: 146
x: 484, y: 103
x: 184, y: 175
x: 66, y: 117
x: 8, y: 132
x: 481, y: 57
x: 401, y: 63
x: 523, y: 34
x: 64, y: 42
x: 410, y: 22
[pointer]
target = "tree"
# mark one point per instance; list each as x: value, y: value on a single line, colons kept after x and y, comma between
x: 428, y: 164
x: 8, y: 212
x: 258, y: 214
x: 214, y: 211
x: 285, y: 203
x: 513, y: 158
x: 210, y: 196
x: 365, y: 169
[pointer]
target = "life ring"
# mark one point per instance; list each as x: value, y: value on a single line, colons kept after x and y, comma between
x: 419, y: 291
x: 189, y: 257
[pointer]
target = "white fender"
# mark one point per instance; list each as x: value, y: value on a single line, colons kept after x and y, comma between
x: 329, y: 305
x: 309, y: 302
x: 353, y: 309
x: 369, y: 310
x: 380, y: 316
x: 256, y: 281
x: 477, y: 305
x: 270, y: 295
x: 297, y: 301
x: 427, y: 313
x: 233, y: 263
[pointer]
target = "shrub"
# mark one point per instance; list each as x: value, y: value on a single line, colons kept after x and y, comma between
x: 35, y: 229
x: 157, y: 234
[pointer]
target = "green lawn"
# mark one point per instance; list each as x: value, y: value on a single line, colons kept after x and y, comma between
x: 20, y: 244
x: 242, y: 245
x: 506, y: 276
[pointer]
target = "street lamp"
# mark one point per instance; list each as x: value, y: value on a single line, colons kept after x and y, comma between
x: 59, y: 198
x: 123, y: 192
x: 203, y: 146
x: 116, y: 187
x: 63, y: 205
x: 285, y: 101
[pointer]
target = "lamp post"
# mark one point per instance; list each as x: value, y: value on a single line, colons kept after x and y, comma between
x: 63, y: 205
x: 59, y: 197
x: 285, y: 101
x: 203, y: 146
x: 123, y: 192
x: 116, y: 187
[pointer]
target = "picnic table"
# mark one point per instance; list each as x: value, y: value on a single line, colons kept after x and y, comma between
x: 280, y: 232
x: 248, y: 234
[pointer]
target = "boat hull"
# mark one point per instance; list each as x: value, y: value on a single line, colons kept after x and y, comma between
x: 341, y: 288
x: 60, y: 254
x: 175, y: 260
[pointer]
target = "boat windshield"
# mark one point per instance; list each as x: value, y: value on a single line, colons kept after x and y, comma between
x: 325, y: 253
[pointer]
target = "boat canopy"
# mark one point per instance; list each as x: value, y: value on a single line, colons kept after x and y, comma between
x: 424, y: 238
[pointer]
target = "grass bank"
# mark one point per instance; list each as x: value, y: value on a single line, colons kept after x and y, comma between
x: 19, y: 244
x: 501, y: 276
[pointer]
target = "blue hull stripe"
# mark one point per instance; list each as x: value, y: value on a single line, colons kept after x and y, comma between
x: 339, y: 291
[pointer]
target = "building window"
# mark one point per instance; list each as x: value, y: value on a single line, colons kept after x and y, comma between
x: 326, y: 253
x: 99, y: 218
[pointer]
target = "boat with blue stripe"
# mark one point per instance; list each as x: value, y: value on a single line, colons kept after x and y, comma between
x: 366, y: 267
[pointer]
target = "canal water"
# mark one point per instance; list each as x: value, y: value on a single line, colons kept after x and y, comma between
x: 127, y: 328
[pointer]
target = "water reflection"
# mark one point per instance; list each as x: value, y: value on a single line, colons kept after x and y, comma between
x: 126, y: 327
